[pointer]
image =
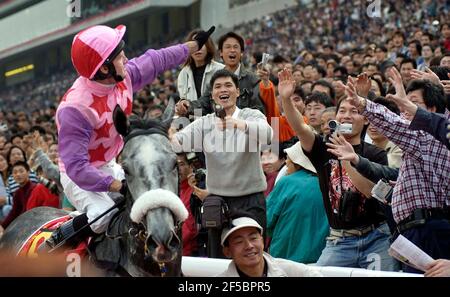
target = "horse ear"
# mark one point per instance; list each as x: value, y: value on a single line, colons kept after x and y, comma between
x: 167, y: 117
x: 120, y: 121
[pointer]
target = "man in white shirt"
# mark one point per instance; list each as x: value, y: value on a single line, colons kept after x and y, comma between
x: 243, y: 243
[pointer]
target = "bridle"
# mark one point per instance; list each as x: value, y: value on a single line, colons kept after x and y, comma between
x: 139, y: 230
x: 150, y: 131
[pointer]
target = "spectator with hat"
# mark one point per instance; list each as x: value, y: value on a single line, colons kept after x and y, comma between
x: 243, y: 242
x: 296, y: 219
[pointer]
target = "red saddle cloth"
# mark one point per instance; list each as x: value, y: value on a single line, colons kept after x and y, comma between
x: 31, y: 246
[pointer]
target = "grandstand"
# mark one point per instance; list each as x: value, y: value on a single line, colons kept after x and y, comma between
x: 35, y: 55
x: 47, y: 47
x: 35, y: 63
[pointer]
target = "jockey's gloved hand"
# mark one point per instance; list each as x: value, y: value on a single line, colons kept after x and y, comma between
x: 124, y: 188
x: 202, y: 37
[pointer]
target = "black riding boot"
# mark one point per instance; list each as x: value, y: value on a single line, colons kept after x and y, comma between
x: 69, y: 228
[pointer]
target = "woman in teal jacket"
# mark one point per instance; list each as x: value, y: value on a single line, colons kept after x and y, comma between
x: 296, y: 218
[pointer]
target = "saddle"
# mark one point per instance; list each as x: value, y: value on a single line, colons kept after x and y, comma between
x: 30, y: 248
x: 106, y: 251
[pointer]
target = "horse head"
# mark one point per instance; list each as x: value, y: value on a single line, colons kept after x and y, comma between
x: 152, y: 177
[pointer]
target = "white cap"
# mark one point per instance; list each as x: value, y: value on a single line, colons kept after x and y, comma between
x: 237, y: 224
x: 297, y: 156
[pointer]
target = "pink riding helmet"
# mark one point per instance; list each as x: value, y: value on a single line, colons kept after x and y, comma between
x: 92, y: 46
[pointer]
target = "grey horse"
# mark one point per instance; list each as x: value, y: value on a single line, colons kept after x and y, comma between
x: 143, y: 238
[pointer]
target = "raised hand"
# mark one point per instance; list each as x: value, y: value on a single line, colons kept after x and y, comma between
x: 352, y: 95
x: 38, y: 142
x: 363, y: 84
x: 202, y: 36
x: 400, y: 94
x: 342, y: 149
x: 286, y: 84
x: 263, y: 74
x: 428, y: 74
x: 396, y: 80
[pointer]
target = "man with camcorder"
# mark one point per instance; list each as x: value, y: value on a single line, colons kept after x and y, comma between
x: 359, y: 235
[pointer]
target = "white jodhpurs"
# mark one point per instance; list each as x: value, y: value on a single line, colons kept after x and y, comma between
x: 94, y: 203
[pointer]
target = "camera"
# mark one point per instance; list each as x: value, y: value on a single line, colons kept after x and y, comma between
x: 197, y: 166
x: 337, y: 127
x: 200, y: 175
x: 51, y: 185
x: 264, y: 61
x: 219, y: 111
x: 349, y: 206
x: 382, y: 191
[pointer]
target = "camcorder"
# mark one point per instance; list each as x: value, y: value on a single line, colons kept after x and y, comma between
x: 197, y: 166
x: 337, y: 127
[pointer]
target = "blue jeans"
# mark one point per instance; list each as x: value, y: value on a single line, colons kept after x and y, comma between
x: 369, y: 251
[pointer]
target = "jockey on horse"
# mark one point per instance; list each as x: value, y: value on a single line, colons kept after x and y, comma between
x: 88, y: 140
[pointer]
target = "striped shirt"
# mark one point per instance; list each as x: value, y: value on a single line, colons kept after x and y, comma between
x: 424, y: 177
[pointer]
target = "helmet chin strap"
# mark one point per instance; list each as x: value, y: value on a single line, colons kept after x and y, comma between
x: 109, y: 64
x: 113, y: 73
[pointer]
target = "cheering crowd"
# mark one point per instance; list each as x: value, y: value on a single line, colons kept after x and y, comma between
x: 345, y: 104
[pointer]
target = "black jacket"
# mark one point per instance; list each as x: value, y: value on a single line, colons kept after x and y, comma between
x: 432, y: 123
x: 375, y: 171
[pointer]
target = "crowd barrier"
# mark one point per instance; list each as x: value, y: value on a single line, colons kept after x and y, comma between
x: 207, y: 267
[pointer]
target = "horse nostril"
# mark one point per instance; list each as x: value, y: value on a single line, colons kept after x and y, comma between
x: 174, y: 242
x: 151, y: 244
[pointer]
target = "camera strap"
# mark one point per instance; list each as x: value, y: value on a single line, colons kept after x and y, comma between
x: 341, y: 177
